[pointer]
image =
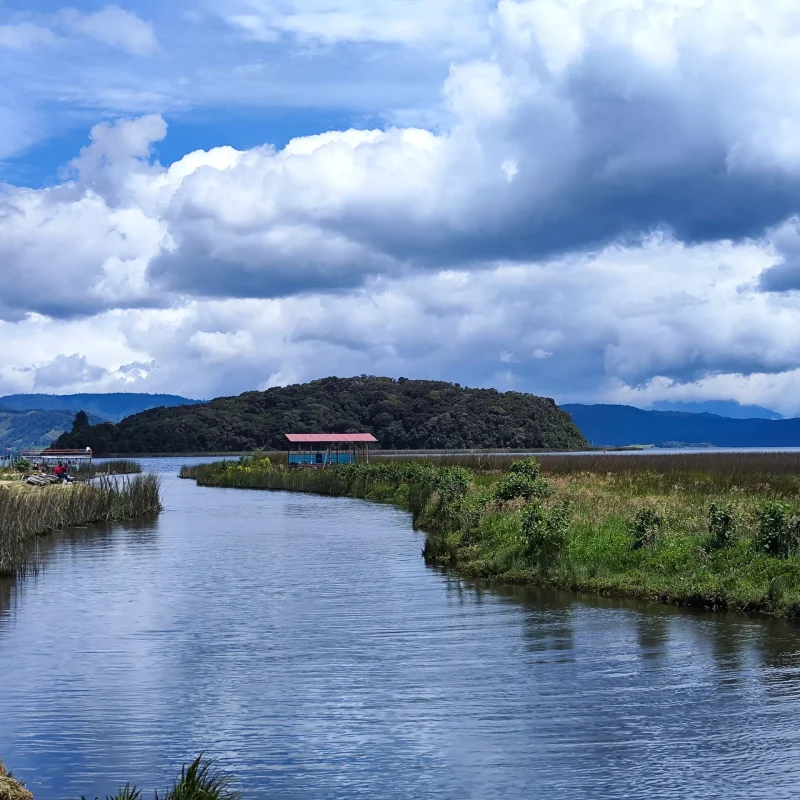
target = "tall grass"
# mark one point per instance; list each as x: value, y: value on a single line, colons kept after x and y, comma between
x: 26, y: 514
x: 119, y: 466
x: 200, y: 780
x: 711, y: 530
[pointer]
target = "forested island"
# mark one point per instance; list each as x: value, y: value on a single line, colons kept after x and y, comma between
x: 400, y: 413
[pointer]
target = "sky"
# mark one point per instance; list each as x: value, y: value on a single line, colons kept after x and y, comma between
x: 591, y: 200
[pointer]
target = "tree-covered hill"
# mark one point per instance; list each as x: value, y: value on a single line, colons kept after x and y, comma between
x: 402, y: 414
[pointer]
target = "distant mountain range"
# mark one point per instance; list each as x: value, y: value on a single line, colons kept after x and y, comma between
x: 34, y: 429
x: 37, y: 420
x: 111, y: 407
x: 722, y: 408
x: 620, y: 426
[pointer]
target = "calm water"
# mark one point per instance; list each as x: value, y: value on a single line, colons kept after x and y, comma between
x: 304, y: 643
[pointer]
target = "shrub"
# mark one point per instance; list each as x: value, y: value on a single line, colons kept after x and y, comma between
x: 256, y: 459
x: 453, y: 483
x: 545, y: 531
x: 720, y: 527
x: 647, y: 525
x: 518, y: 485
x: 529, y: 467
x: 778, y: 531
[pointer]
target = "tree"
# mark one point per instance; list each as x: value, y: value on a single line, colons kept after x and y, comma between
x: 81, y: 422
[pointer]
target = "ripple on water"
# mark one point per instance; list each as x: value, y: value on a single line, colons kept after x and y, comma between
x: 303, y: 642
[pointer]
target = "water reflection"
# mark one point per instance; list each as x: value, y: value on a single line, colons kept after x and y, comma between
x: 303, y: 641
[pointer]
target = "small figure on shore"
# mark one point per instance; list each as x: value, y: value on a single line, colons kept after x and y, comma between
x: 62, y: 473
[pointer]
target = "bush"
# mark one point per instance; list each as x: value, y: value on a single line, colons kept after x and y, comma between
x: 720, y: 527
x: 453, y: 483
x: 518, y: 485
x: 545, y: 532
x: 256, y: 459
x: 778, y: 532
x: 646, y: 528
x: 528, y: 467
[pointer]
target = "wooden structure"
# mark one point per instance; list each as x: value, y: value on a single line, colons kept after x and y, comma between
x: 320, y: 450
x: 50, y: 457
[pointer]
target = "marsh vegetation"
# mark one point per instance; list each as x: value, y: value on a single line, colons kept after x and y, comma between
x: 710, y: 530
x: 27, y: 514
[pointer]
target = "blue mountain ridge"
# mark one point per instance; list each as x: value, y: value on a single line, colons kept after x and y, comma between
x: 109, y: 407
x: 621, y: 426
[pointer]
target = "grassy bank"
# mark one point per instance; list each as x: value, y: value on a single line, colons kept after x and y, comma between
x: 26, y: 514
x: 711, y: 530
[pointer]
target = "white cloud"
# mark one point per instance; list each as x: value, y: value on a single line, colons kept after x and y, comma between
x: 25, y: 35
x: 459, y: 24
x: 610, y: 193
x: 66, y: 371
x: 113, y: 26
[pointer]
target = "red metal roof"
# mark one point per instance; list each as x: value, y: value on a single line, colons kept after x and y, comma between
x: 333, y: 438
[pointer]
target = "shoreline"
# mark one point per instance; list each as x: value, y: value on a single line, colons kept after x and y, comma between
x: 29, y: 512
x: 685, y: 540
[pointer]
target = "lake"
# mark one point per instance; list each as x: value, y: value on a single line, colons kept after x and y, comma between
x: 304, y: 643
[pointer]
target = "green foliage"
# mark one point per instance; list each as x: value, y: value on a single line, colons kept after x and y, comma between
x: 453, y: 483
x: 256, y: 460
x: 720, y: 526
x: 128, y: 792
x: 778, y: 533
x: 586, y: 543
x: 201, y: 781
x: 527, y: 467
x: 81, y: 422
x: 646, y: 528
x: 545, y: 531
x: 519, y: 485
x: 401, y: 414
x: 23, y: 466
x: 26, y: 514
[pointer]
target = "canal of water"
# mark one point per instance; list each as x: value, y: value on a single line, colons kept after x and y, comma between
x: 303, y: 642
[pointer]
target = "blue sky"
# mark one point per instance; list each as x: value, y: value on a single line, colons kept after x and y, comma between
x: 595, y: 201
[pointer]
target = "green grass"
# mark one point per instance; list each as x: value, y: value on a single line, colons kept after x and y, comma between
x: 27, y: 514
x: 200, y: 780
x: 718, y: 531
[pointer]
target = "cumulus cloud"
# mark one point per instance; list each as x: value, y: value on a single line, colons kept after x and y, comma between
x: 608, y: 209
x: 66, y: 371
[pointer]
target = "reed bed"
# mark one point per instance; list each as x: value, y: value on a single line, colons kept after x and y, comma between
x: 27, y: 514
x: 119, y: 466
x: 717, y: 463
x: 714, y: 530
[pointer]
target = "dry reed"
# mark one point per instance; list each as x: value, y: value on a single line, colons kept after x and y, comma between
x: 27, y: 514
